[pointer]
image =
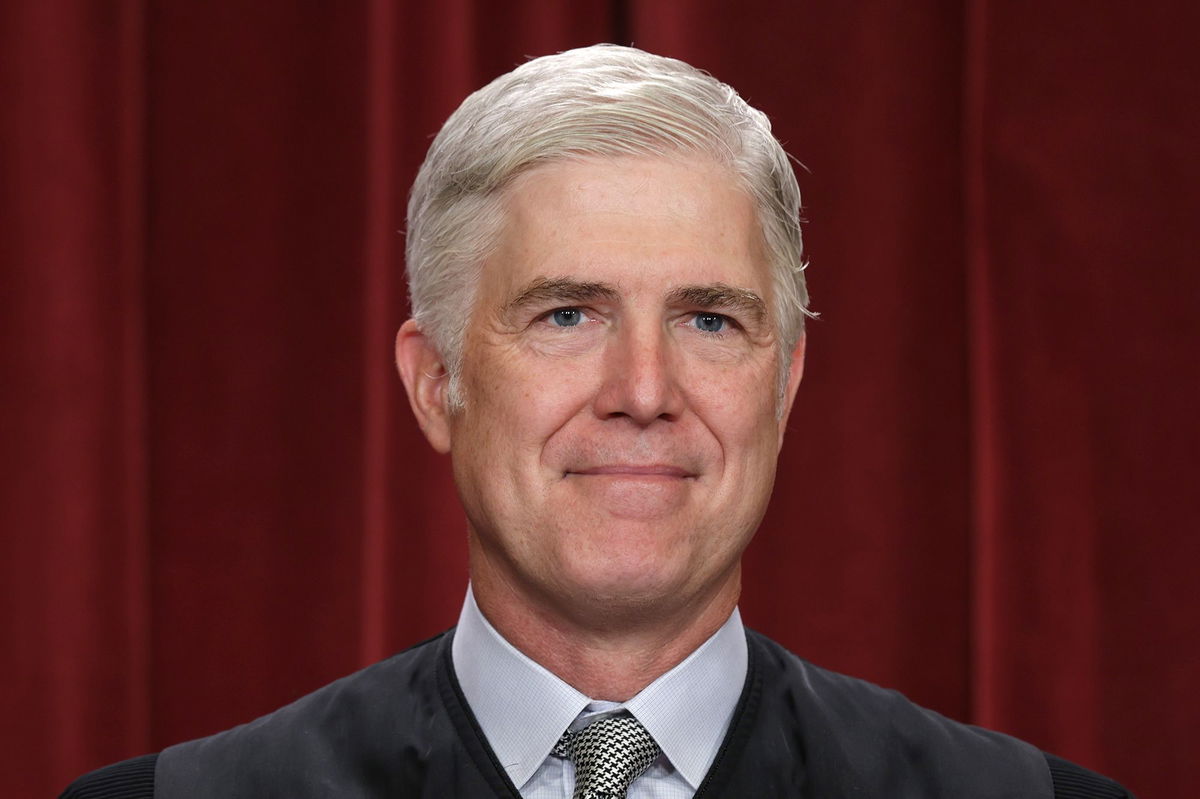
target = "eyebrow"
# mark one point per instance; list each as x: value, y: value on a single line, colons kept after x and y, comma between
x: 722, y: 297
x: 561, y: 289
x: 709, y: 296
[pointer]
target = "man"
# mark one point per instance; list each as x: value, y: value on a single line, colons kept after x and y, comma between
x: 608, y: 301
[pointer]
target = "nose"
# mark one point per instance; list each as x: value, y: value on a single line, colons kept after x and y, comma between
x: 641, y: 377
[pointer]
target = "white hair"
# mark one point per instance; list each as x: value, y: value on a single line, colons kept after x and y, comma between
x: 602, y: 101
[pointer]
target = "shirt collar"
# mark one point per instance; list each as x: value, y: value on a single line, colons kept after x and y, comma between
x: 523, y: 708
x: 688, y: 709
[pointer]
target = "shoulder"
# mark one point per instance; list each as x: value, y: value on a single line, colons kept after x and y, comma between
x: 857, y: 709
x: 1075, y: 782
x: 129, y: 779
x: 882, y: 732
x: 334, y: 728
x: 336, y: 737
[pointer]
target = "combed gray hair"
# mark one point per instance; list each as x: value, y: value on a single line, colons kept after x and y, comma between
x: 599, y: 101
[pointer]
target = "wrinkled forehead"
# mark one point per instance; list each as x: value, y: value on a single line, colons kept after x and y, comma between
x: 629, y: 221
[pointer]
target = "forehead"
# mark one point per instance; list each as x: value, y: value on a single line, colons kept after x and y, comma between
x: 633, y: 222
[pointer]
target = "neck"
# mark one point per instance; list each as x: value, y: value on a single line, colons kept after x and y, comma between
x: 603, y: 652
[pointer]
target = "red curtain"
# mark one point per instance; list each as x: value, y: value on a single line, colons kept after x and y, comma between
x: 213, y: 497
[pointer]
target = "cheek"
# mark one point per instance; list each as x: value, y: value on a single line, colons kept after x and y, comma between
x: 738, y: 406
x: 519, y: 403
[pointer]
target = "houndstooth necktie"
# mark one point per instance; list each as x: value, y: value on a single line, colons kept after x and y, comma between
x: 608, y: 755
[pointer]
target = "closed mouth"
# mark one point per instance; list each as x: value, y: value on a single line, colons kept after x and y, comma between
x: 633, y: 470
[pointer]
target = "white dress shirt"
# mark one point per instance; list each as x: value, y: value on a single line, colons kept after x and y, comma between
x: 524, y: 709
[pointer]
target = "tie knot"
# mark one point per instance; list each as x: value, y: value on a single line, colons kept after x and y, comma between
x: 608, y: 755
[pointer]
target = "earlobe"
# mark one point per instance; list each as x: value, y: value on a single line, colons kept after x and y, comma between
x: 795, y: 374
x: 425, y: 380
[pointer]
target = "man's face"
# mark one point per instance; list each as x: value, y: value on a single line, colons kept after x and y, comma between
x: 620, y: 429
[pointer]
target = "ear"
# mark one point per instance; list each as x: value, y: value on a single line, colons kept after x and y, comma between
x: 795, y: 374
x: 426, y: 381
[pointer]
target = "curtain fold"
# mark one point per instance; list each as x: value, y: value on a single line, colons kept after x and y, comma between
x: 1086, y: 319
x: 214, y: 497
x: 72, y: 387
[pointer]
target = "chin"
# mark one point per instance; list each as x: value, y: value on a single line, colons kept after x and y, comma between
x: 620, y: 581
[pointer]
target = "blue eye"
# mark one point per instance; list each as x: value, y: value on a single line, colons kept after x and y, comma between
x: 710, y: 322
x: 566, y: 317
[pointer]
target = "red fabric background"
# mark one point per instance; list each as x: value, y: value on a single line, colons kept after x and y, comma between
x: 212, y: 495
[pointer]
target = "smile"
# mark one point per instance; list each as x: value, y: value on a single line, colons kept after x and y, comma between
x: 634, y: 471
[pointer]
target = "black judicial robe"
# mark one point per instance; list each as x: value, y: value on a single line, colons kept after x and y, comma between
x: 401, y: 728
